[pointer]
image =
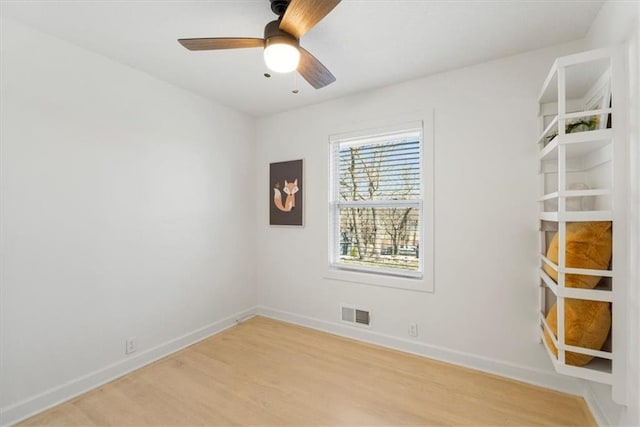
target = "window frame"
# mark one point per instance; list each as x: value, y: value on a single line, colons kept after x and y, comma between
x: 421, y: 280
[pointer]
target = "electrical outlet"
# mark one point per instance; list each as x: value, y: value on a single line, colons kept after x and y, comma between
x: 131, y: 345
x: 413, y: 330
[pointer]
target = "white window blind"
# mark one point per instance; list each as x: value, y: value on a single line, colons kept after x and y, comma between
x: 376, y: 202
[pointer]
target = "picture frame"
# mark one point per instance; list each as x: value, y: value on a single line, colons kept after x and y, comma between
x: 286, y: 191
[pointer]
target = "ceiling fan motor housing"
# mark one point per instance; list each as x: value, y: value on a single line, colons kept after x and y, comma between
x: 273, y: 35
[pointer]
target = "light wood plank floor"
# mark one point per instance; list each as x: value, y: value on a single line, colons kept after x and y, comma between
x: 265, y: 372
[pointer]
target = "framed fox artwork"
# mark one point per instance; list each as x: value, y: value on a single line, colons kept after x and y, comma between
x: 286, y: 188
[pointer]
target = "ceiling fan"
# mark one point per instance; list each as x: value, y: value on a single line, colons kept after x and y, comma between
x: 281, y: 42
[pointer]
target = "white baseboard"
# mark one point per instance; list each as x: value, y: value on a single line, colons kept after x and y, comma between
x: 547, y: 379
x: 596, y: 410
x: 45, y: 400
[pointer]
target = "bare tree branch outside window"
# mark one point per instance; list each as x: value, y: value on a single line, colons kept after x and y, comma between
x: 373, y: 233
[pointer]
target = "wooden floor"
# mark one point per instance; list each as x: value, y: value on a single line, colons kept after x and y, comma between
x: 265, y: 372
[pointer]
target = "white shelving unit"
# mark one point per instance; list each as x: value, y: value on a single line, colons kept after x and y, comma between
x: 583, y: 178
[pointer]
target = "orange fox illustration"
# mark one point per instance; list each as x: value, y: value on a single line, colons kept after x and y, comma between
x: 290, y: 189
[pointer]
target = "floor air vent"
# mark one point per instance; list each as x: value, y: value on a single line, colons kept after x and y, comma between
x: 356, y: 315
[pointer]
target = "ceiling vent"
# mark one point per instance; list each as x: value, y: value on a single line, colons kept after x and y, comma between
x: 355, y: 315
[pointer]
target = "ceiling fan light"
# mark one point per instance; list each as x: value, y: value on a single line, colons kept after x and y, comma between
x: 281, y: 57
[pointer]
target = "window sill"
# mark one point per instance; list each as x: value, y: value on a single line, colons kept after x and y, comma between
x: 418, y: 284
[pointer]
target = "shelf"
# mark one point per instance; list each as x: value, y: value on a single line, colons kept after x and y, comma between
x: 574, y: 193
x: 579, y: 271
x: 576, y: 293
x: 583, y: 70
x: 576, y: 216
x: 582, y: 350
x: 583, y: 170
x: 599, y: 370
x: 577, y: 144
x: 553, y: 125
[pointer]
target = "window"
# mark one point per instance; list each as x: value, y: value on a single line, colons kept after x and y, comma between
x: 376, y: 202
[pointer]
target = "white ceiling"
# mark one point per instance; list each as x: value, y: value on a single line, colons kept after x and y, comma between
x: 365, y: 43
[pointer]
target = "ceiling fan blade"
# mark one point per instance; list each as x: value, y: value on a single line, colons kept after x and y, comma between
x: 313, y: 71
x: 302, y: 15
x: 221, y: 43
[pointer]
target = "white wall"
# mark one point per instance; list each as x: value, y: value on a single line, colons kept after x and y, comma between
x: 126, y: 211
x: 618, y: 24
x: 483, y: 310
x: 634, y: 277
